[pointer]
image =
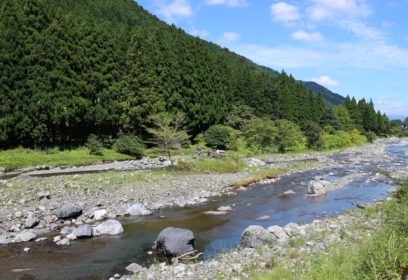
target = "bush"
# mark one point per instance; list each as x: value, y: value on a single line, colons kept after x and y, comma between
x: 288, y: 136
x: 129, y: 145
x: 259, y: 133
x: 370, y: 136
x: 342, y: 139
x: 218, y: 136
x: 313, y: 133
x: 94, y: 145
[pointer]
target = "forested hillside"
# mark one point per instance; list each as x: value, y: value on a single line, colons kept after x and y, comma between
x: 71, y: 68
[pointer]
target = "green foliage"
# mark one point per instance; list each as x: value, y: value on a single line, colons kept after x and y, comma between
x: 19, y: 158
x: 75, y: 68
x: 129, y: 145
x: 94, y: 145
x: 167, y: 131
x: 370, y: 136
x: 259, y: 134
x: 288, y: 136
x: 343, y: 139
x: 218, y: 136
x: 313, y: 133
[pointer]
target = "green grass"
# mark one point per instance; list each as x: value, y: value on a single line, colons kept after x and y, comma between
x: 270, y: 173
x: 19, y: 158
x: 382, y: 256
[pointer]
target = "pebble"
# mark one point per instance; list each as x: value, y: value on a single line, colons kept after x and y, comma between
x: 27, y: 249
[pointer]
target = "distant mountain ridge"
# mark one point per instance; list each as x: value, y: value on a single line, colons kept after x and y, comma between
x: 330, y: 97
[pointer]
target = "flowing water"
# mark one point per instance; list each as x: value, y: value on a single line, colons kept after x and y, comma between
x: 100, y: 258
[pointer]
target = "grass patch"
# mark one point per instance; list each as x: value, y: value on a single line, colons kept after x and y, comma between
x: 19, y: 158
x: 270, y: 173
x: 258, y: 177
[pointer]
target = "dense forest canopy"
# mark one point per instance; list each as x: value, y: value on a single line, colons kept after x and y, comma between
x: 72, y: 68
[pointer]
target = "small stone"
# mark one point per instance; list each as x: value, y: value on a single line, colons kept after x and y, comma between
x: 57, y: 238
x: 18, y: 214
x: 31, y: 221
x: 138, y: 209
x: 41, y: 239
x: 63, y: 242
x: 71, y: 237
x: 224, y: 209
x: 134, y: 268
x: 100, y: 214
x: 215, y: 213
x: 116, y: 276
x: 263, y: 218
x: 27, y: 249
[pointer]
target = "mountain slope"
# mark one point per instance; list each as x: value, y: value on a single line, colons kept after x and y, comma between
x: 330, y: 97
x: 71, y: 68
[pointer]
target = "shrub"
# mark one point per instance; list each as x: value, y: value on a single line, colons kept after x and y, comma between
x: 313, y: 133
x: 218, y: 136
x: 370, y: 136
x: 259, y: 133
x: 129, y: 145
x: 94, y: 145
x: 288, y: 136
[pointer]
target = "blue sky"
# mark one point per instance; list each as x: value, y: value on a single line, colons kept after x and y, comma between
x: 353, y: 47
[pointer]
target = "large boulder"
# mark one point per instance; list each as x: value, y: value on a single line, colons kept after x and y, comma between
x: 110, y: 227
x: 68, y: 211
x: 83, y: 231
x: 256, y: 236
x: 175, y: 242
x: 316, y: 188
x: 279, y: 233
x: 293, y: 229
x: 138, y: 209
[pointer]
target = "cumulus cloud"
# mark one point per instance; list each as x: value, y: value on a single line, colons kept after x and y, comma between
x: 329, y: 9
x: 301, y: 35
x: 326, y: 81
x: 231, y: 3
x: 285, y: 13
x: 173, y: 9
x: 229, y: 37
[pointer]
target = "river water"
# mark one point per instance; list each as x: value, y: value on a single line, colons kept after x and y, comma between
x: 100, y: 258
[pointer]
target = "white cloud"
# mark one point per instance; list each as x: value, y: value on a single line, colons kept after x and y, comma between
x: 364, y: 55
x: 388, y: 105
x: 175, y: 8
x: 285, y: 13
x: 301, y: 35
x: 326, y: 81
x: 231, y: 3
x: 330, y: 9
x: 202, y: 33
x: 229, y: 37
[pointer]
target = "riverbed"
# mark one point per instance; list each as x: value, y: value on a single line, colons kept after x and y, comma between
x: 262, y: 204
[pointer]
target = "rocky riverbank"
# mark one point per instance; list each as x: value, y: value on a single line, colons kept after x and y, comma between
x: 28, y: 204
x: 262, y: 249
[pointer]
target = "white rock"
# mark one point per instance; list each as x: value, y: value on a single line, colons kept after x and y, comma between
x: 100, y: 214
x: 134, y: 268
x: 27, y: 249
x: 110, y: 227
x: 138, y: 209
x: 224, y: 209
x: 71, y: 237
